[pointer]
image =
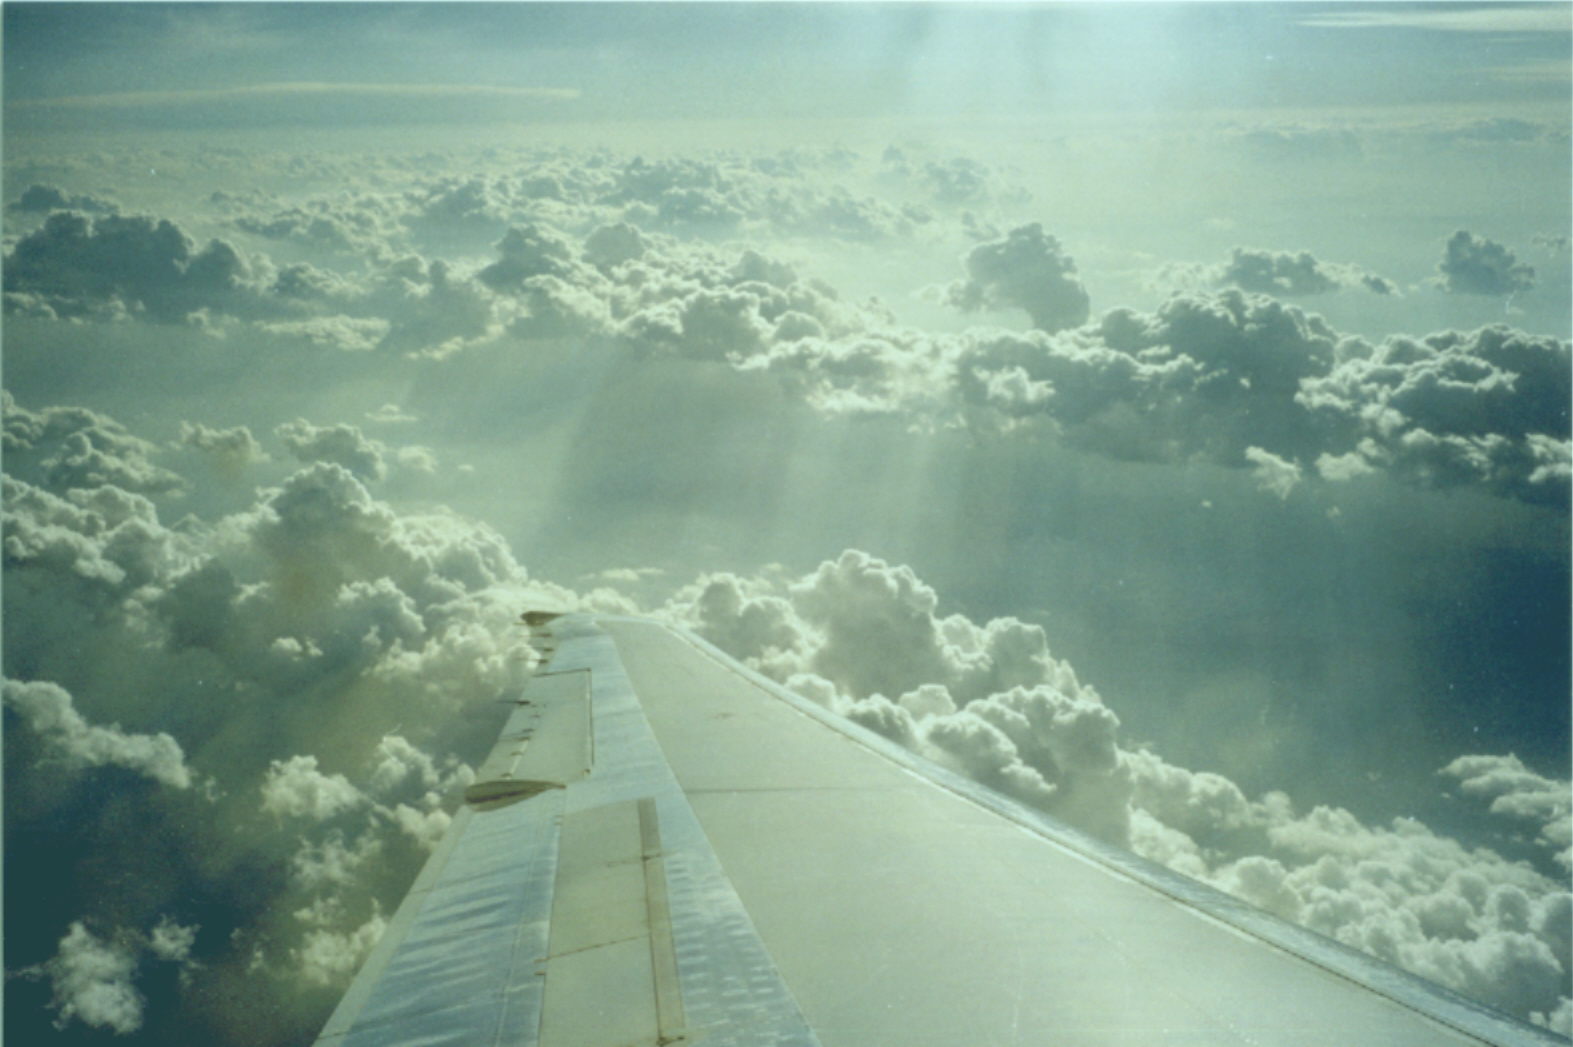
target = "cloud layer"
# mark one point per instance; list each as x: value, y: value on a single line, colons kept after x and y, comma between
x: 260, y: 653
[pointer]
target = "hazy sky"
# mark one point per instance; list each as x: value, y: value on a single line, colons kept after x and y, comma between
x: 1159, y: 411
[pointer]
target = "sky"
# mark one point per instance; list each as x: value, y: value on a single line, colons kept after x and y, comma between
x: 1158, y: 412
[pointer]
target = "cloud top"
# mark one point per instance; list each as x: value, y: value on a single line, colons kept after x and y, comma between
x: 1027, y: 269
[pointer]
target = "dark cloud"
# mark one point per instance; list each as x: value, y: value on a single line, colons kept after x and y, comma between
x: 75, y: 264
x: 1486, y: 408
x: 229, y: 450
x: 1282, y: 273
x: 41, y: 199
x: 1026, y: 270
x: 1234, y: 378
x: 1476, y: 265
x: 1277, y: 273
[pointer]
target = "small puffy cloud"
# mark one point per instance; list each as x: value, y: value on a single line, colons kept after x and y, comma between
x: 92, y: 984
x: 229, y: 449
x: 1476, y: 265
x: 1277, y: 273
x: 416, y: 458
x: 172, y: 941
x: 527, y: 251
x: 66, y: 447
x: 329, y: 958
x: 1025, y: 270
x: 1273, y: 474
x: 294, y: 788
x: 47, y: 710
x: 340, y: 444
x: 1290, y: 274
x: 1518, y: 793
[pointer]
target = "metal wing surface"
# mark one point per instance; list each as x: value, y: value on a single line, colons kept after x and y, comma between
x: 666, y: 848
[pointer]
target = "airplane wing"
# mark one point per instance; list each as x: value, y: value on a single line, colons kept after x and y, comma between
x: 666, y: 848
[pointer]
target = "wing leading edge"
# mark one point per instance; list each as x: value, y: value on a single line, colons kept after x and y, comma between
x: 664, y: 847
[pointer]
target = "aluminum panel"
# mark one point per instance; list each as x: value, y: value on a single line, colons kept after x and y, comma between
x: 906, y: 905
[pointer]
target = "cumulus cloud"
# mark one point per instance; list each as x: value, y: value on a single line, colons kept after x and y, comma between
x: 79, y: 265
x: 1213, y: 376
x: 330, y: 958
x: 1282, y: 274
x: 1275, y: 474
x: 47, y: 710
x: 863, y: 636
x: 327, y: 660
x: 230, y: 450
x: 91, y: 979
x: 1518, y: 793
x: 391, y: 414
x: 294, y: 788
x: 323, y: 663
x: 1475, y: 265
x: 172, y: 941
x: 65, y: 447
x: 341, y: 444
x: 1487, y: 407
x: 1025, y: 270
x: 991, y: 702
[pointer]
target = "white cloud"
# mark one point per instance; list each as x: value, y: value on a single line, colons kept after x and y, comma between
x: 295, y: 788
x: 1277, y: 475
x: 330, y: 958
x: 172, y: 941
x: 48, y: 712
x: 92, y: 983
x: 1518, y: 793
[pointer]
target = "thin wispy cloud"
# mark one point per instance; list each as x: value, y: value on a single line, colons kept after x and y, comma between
x: 300, y: 90
x: 1460, y: 18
